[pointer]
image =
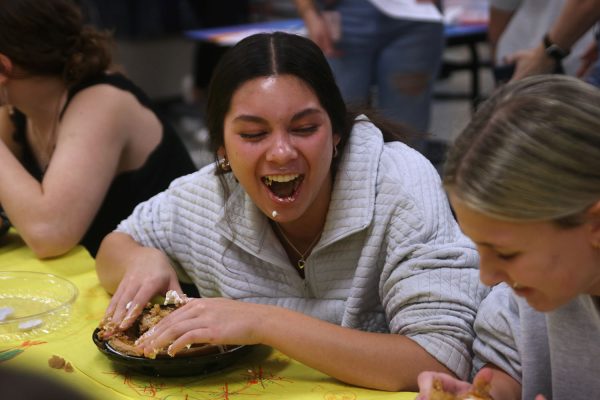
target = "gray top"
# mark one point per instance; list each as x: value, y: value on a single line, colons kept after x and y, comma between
x: 391, y: 257
x: 555, y: 354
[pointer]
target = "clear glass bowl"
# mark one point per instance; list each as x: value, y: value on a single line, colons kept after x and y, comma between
x: 33, y: 304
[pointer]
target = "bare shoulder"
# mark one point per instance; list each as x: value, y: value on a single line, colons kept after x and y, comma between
x: 111, y: 121
x: 103, y: 111
x: 104, y: 98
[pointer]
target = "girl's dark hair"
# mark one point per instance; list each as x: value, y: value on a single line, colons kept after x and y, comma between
x: 279, y: 53
x: 48, y: 37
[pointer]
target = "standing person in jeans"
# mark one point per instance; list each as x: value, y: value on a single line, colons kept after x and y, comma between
x: 367, y: 47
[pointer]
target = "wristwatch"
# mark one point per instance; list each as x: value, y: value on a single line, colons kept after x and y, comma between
x: 553, y: 50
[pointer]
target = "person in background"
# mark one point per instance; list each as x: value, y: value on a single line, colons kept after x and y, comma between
x: 367, y: 46
x: 80, y: 146
x: 555, y: 42
x: 524, y: 180
x: 315, y: 232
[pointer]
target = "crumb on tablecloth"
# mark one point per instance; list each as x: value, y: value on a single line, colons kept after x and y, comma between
x: 57, y: 362
x: 68, y: 367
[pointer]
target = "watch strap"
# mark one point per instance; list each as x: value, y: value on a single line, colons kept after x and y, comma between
x: 553, y: 50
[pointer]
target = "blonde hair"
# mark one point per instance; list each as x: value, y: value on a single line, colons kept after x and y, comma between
x: 531, y: 152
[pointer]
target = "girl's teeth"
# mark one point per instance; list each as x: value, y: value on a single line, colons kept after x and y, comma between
x: 279, y: 178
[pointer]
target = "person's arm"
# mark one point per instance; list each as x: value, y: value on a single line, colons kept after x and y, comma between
x: 316, y: 25
x: 576, y: 18
x: 496, y: 356
x: 499, y: 19
x: 376, y: 360
x: 53, y: 215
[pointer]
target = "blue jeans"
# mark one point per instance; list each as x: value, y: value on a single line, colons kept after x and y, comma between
x: 399, y: 58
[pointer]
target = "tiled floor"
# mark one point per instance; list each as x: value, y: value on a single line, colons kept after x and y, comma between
x: 449, y: 117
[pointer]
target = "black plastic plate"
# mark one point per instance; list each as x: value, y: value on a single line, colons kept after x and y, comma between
x: 173, y: 366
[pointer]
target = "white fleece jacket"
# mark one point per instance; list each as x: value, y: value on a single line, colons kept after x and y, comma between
x: 391, y: 257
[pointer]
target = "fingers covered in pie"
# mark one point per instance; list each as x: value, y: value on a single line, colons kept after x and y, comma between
x: 443, y: 386
x: 480, y: 390
x: 127, y: 341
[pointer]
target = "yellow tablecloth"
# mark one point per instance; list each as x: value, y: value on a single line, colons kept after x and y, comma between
x: 263, y: 374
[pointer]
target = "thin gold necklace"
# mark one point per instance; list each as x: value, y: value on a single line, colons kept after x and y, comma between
x: 47, y: 150
x: 302, y: 261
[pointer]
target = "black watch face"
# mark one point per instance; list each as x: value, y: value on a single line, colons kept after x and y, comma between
x: 555, y: 52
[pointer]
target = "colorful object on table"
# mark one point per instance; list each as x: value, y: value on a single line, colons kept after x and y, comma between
x: 10, y: 353
x: 6, y: 355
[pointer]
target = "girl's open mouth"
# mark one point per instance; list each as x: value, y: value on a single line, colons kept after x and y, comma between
x: 283, y: 186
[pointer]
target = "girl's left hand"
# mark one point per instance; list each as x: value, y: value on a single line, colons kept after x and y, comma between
x: 206, y: 320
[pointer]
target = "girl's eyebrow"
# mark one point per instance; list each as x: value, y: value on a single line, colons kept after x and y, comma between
x: 249, y: 118
x: 305, y: 112
x: 257, y: 119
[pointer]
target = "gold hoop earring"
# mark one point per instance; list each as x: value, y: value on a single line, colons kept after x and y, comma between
x: 224, y: 165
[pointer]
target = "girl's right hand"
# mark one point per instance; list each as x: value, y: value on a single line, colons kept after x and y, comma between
x: 149, y: 276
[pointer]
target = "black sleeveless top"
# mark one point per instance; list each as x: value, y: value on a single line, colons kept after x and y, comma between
x: 169, y: 160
